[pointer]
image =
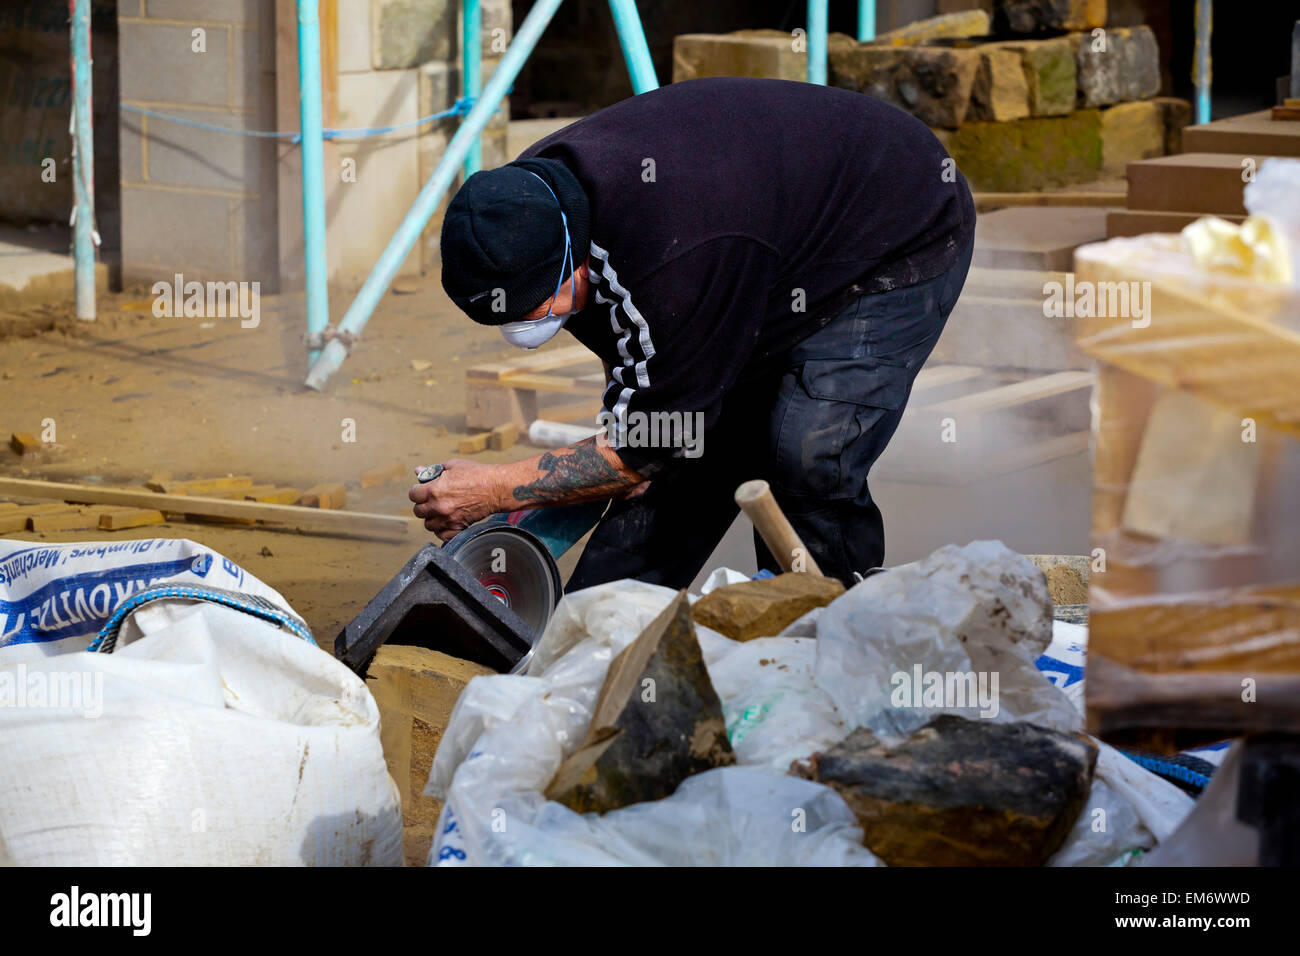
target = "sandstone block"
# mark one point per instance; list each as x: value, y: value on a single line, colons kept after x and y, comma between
x: 764, y: 608
x: 657, y: 721
x: 961, y: 792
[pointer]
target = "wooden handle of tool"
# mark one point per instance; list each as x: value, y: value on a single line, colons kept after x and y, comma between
x: 755, y: 499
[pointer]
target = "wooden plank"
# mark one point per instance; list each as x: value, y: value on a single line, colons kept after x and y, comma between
x: 937, y: 376
x: 1050, y: 449
x: 77, y: 519
x: 198, y: 486
x: 1018, y: 393
x: 554, y: 383
x: 278, y: 496
x: 306, y: 519
x: 541, y: 362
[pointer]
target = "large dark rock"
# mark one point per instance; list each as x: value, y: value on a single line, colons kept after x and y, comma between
x: 657, y: 721
x: 961, y: 792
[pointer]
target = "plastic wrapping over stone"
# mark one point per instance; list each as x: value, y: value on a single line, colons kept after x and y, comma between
x: 961, y: 792
x: 764, y: 608
x: 657, y: 721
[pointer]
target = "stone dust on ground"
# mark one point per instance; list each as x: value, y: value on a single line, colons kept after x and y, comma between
x: 132, y: 395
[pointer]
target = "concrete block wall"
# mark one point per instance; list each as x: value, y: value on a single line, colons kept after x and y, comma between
x: 196, y: 201
x: 396, y: 60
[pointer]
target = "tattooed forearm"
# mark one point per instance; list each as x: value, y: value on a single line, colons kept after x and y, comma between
x: 580, y: 472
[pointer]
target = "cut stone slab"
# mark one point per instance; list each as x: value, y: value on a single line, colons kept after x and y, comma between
x: 932, y: 83
x: 1033, y: 16
x: 946, y: 26
x: 1036, y: 237
x: 1139, y: 222
x: 1251, y: 134
x: 1050, y: 72
x: 1131, y: 132
x: 764, y: 608
x: 961, y: 792
x: 1000, y: 92
x: 1121, y: 65
x: 657, y: 721
x: 1190, y: 182
x: 1029, y: 154
x: 416, y: 689
x: 754, y: 53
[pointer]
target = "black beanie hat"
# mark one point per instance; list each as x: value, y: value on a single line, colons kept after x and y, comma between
x: 503, y: 231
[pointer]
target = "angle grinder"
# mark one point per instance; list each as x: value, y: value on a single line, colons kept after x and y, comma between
x: 513, y: 555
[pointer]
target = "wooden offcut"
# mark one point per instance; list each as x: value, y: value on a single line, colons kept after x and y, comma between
x: 510, y: 392
x: 130, y: 518
x: 328, y: 496
x: 503, y: 436
x: 288, y: 516
x: 473, y: 444
x: 657, y: 721
x: 24, y: 443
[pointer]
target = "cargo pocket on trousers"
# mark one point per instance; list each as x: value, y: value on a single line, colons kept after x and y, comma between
x: 822, y: 432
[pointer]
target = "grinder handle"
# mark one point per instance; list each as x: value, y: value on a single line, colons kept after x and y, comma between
x: 755, y: 499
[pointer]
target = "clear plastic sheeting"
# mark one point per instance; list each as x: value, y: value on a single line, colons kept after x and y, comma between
x: 783, y: 697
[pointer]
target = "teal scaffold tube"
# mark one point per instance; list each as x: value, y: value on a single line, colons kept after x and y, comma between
x: 83, y: 163
x: 636, y: 52
x: 817, y: 26
x: 408, y: 233
x: 315, y: 264
x: 471, y: 68
x: 866, y: 20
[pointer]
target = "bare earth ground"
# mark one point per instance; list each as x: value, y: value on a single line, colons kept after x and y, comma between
x: 132, y: 395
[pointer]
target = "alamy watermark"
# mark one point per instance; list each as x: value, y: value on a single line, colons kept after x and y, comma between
x: 627, y: 429
x: 52, y: 689
x: 1087, y: 300
x: 955, y: 690
x: 208, y: 300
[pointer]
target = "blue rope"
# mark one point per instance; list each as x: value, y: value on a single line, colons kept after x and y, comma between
x: 461, y: 107
x: 1168, y: 768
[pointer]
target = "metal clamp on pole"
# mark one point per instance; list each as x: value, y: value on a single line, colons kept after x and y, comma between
x: 318, y: 340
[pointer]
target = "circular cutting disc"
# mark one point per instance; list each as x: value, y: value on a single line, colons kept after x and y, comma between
x: 515, y: 567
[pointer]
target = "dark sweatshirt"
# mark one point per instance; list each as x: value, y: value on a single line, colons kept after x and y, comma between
x: 731, y: 218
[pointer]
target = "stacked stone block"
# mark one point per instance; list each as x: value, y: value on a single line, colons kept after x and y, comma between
x: 1025, y: 94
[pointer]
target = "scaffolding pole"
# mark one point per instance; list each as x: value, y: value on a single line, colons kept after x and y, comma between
x: 471, y: 69
x: 636, y: 52
x: 866, y: 20
x: 404, y: 239
x: 83, y: 161
x: 315, y: 264
x: 1201, y: 68
x: 817, y: 26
